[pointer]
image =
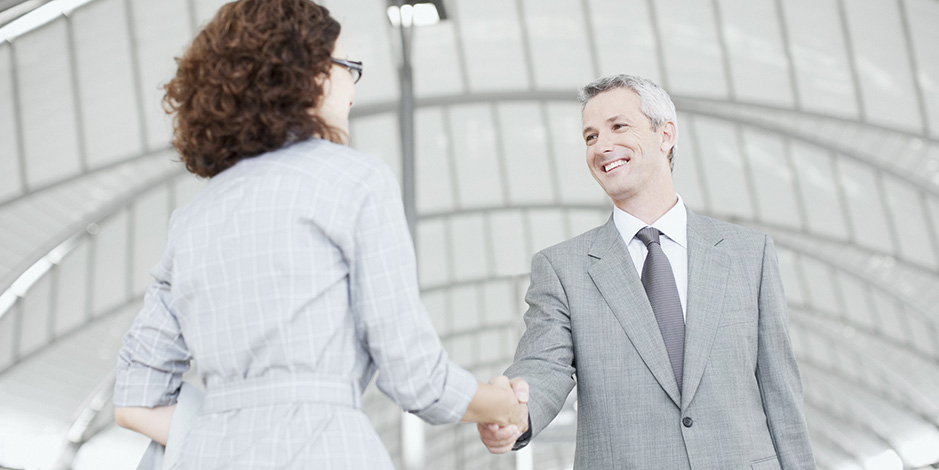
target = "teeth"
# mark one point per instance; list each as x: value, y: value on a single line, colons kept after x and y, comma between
x: 613, y: 165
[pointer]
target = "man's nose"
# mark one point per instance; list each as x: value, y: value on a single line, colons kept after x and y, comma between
x: 604, y: 144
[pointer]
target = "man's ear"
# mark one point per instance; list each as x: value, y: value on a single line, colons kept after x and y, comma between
x: 669, y: 135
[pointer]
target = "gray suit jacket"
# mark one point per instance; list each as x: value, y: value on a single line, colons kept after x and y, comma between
x: 588, y: 316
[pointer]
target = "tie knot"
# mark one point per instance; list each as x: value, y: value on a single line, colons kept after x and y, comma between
x: 648, y: 235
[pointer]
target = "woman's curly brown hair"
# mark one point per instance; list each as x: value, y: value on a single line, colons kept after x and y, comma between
x: 247, y: 84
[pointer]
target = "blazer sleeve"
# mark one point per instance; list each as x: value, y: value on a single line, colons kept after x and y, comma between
x: 414, y: 369
x: 777, y: 371
x: 545, y: 354
x: 154, y: 355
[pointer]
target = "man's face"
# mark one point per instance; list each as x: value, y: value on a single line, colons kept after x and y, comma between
x: 624, y: 154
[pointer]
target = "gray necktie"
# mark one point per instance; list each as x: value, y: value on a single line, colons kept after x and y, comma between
x: 659, y: 282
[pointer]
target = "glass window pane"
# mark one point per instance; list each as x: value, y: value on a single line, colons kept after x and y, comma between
x: 528, y: 160
x: 819, y: 55
x: 723, y: 167
x: 436, y: 191
x: 630, y: 53
x: 10, y: 181
x: 557, y: 37
x: 47, y: 104
x: 758, y: 61
x: 476, y: 154
x: 692, y: 49
x: 106, y: 82
x: 819, y: 191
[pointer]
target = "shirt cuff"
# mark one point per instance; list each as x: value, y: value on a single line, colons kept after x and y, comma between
x: 458, y: 391
x: 525, y: 438
x: 143, y: 386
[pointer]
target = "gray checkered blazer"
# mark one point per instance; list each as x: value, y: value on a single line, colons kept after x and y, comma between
x: 291, y: 280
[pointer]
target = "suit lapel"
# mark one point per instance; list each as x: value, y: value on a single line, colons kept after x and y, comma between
x: 616, y: 279
x: 708, y: 266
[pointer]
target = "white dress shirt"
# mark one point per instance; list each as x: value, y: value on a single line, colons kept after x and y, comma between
x: 674, y: 226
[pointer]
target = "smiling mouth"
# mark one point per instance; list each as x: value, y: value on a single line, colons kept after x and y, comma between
x: 614, y: 164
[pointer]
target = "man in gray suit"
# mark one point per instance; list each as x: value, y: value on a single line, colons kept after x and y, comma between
x: 677, y: 335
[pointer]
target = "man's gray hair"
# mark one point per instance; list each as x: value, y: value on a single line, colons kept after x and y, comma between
x: 654, y: 101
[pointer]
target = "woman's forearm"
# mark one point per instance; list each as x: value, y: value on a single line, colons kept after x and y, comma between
x: 151, y: 422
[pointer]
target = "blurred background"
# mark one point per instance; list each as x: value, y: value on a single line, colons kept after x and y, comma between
x: 816, y: 121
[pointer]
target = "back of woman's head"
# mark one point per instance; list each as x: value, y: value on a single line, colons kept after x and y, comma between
x: 247, y: 84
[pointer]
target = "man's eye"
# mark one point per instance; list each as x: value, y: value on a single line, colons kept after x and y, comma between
x: 589, y: 138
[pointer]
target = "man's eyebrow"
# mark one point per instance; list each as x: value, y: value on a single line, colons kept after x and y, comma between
x: 616, y: 118
x: 610, y: 119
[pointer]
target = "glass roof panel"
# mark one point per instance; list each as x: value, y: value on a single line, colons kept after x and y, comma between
x: 433, y: 252
x: 470, y: 251
x: 10, y: 183
x: 692, y: 48
x: 437, y: 303
x: 437, y: 61
x: 821, y: 290
x: 773, y: 180
x: 891, y: 322
x: 72, y: 278
x: 509, y: 247
x: 476, y: 156
x: 858, y: 306
x: 789, y: 270
x: 527, y: 159
x: 495, y: 59
x: 162, y: 32
x: 558, y: 40
x: 47, y: 104
x: 580, y: 221
x: 378, y: 135
x: 110, y: 118
x: 434, y: 180
x: 150, y: 216
x: 687, y: 173
x: 823, y: 207
x: 883, y: 66
x: 545, y: 228
x: 633, y: 53
x: 205, y: 10
x: 922, y: 17
x: 109, y: 284
x: 758, y: 60
x: 906, y: 204
x: 497, y: 301
x: 866, y: 209
x: 465, y: 313
x: 367, y: 36
x: 819, y: 54
x: 34, y: 321
x: 724, y: 170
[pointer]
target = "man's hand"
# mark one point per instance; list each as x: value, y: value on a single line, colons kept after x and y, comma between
x: 501, y: 439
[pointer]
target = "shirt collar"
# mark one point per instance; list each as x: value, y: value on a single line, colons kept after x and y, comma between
x: 674, y: 224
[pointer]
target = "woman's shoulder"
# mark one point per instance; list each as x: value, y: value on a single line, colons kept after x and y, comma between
x: 322, y: 158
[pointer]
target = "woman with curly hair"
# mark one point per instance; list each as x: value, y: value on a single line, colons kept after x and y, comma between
x: 290, y: 278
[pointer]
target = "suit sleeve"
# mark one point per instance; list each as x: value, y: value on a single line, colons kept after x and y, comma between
x: 414, y: 369
x: 545, y: 354
x: 777, y: 371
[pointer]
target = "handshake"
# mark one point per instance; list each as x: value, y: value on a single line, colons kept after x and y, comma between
x: 510, y: 398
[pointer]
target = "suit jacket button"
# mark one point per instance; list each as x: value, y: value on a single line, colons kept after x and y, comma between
x: 687, y: 421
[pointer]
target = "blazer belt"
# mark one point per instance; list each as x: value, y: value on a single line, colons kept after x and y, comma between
x: 267, y: 391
